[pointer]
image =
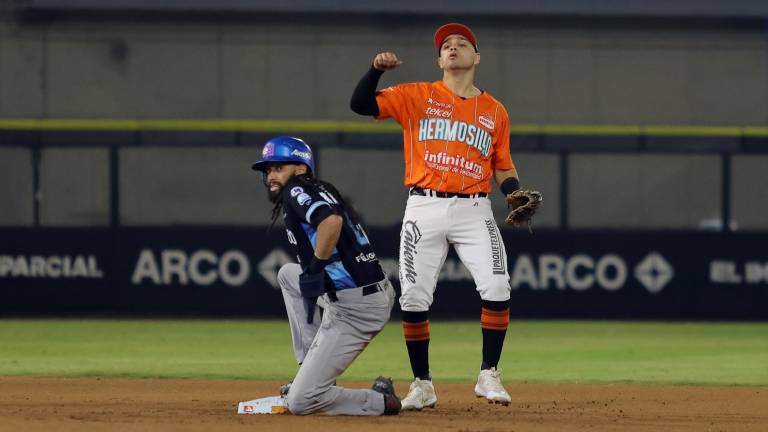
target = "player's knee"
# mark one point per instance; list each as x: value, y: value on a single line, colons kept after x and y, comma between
x: 299, y: 407
x: 497, y: 289
x: 288, y: 276
x: 414, y: 303
x: 299, y: 403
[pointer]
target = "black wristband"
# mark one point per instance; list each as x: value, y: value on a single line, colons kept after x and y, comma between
x: 509, y: 185
x: 317, y: 265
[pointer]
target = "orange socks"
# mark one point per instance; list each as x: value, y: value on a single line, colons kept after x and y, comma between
x: 494, y: 319
x: 416, y: 333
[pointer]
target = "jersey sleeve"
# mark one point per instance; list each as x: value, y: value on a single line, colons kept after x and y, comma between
x: 502, y: 159
x: 307, y: 203
x: 393, y: 102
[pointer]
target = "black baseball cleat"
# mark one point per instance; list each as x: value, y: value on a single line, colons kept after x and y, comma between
x: 387, y: 388
x: 285, y: 388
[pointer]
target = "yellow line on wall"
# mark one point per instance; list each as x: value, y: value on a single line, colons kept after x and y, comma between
x: 328, y: 126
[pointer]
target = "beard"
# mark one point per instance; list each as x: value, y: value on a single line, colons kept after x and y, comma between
x: 274, y: 196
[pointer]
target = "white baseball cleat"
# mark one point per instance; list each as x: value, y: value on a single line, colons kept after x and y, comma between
x: 421, y: 394
x: 489, y: 386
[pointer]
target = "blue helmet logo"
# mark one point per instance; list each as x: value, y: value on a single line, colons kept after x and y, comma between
x: 285, y: 149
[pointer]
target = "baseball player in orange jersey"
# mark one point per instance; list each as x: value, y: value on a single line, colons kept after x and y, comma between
x: 455, y: 139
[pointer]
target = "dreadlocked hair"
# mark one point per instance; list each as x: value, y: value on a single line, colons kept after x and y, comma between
x: 277, y: 210
x: 310, y: 179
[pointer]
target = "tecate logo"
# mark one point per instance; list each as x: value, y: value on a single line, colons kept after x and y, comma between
x: 303, y: 199
x: 485, y: 121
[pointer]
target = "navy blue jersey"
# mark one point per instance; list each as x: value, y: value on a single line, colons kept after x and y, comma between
x: 305, y: 205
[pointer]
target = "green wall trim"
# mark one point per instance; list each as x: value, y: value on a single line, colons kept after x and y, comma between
x: 328, y: 126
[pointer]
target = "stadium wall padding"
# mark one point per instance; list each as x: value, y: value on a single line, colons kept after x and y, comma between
x: 231, y: 272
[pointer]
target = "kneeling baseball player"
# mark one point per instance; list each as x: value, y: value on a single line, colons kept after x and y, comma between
x: 339, y: 271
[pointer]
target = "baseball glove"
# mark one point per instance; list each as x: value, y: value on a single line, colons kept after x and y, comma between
x: 524, y: 204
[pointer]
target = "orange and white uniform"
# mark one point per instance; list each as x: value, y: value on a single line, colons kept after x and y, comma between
x: 450, y: 144
x: 451, y: 147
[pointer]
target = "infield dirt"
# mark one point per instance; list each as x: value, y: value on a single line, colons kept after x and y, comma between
x: 69, y: 404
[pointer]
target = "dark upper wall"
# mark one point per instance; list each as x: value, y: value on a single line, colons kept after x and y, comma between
x: 656, y: 8
x: 548, y: 70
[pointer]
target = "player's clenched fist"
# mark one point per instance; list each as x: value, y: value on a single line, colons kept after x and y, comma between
x: 386, y: 61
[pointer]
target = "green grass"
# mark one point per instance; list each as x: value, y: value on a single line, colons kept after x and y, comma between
x: 535, y: 351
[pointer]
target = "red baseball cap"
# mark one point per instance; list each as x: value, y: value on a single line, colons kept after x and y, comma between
x: 454, y: 28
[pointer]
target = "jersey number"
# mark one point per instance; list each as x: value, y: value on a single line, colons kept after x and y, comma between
x: 328, y: 197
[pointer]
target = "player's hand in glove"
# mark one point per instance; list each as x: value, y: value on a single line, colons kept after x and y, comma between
x: 524, y: 204
x: 312, y: 286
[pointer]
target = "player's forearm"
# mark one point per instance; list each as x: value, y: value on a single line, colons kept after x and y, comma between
x: 363, y: 99
x: 501, y: 175
x: 507, y: 180
x: 328, y: 232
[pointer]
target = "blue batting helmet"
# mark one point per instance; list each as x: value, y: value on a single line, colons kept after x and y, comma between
x: 285, y: 149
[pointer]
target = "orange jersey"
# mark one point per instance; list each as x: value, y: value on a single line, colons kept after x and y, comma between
x: 450, y: 144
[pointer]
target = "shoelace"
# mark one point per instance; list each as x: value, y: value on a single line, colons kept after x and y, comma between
x: 416, y: 385
x: 412, y: 387
x: 493, y: 381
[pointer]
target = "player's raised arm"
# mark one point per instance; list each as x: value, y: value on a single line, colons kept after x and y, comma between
x: 363, y: 99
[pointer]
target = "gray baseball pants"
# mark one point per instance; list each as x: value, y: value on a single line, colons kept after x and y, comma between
x: 326, y: 348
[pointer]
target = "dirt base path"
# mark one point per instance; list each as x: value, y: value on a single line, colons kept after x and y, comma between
x: 47, y: 404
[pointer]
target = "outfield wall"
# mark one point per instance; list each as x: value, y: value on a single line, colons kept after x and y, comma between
x: 591, y: 177
x: 231, y: 272
x: 166, y: 219
x: 557, y: 69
